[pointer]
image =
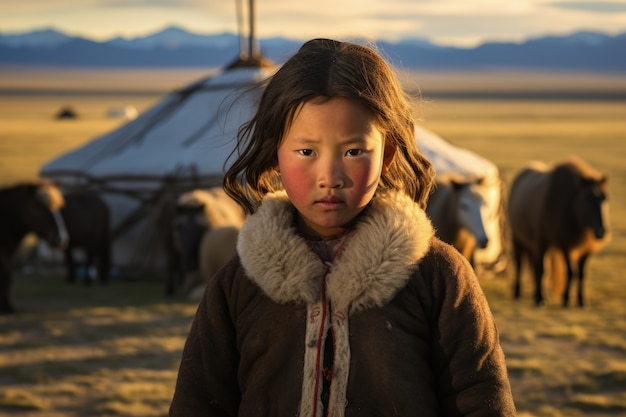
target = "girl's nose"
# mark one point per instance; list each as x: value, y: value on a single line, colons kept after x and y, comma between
x: 331, y: 174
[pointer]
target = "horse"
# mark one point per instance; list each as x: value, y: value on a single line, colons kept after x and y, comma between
x: 456, y: 208
x: 557, y: 209
x: 197, y: 211
x: 30, y: 207
x: 87, y: 219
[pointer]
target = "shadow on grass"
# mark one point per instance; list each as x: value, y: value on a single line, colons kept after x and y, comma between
x: 74, y: 350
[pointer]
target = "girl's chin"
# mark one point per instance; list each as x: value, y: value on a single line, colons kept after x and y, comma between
x: 326, y: 229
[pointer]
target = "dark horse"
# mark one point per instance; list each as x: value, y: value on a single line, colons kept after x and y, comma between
x: 561, y: 209
x: 86, y: 217
x: 27, y: 208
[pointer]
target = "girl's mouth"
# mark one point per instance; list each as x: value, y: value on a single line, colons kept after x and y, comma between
x: 330, y: 203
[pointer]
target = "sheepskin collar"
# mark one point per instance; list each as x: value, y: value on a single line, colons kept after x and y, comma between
x: 375, y: 263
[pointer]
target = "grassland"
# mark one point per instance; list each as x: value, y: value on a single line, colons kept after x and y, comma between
x: 114, y: 351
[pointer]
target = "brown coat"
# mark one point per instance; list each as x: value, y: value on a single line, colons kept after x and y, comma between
x: 413, y: 334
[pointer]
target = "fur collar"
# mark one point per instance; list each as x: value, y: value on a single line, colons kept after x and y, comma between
x: 375, y: 263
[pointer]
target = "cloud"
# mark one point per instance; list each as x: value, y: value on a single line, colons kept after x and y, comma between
x: 455, y: 22
x: 591, y: 6
x: 147, y: 4
x: 200, y: 6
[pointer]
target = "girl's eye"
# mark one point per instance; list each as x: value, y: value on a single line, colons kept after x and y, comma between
x: 354, y: 152
x: 306, y: 152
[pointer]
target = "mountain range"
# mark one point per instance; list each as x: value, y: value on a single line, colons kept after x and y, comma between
x: 177, y: 47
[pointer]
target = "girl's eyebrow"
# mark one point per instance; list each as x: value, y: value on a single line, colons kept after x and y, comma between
x: 360, y: 140
x: 305, y: 140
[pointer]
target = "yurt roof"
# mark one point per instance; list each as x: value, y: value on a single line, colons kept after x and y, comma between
x: 185, y: 137
x: 450, y: 159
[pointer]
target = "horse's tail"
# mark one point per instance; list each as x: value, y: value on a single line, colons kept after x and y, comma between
x: 557, y: 268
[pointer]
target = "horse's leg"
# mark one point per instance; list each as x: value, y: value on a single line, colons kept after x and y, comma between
x: 104, y: 261
x: 581, y: 271
x: 537, y: 262
x: 5, y: 286
x: 176, y: 272
x: 174, y: 252
x: 568, y: 281
x: 517, y: 259
x: 170, y: 283
x: 87, y: 265
x: 70, y: 265
x: 170, y: 287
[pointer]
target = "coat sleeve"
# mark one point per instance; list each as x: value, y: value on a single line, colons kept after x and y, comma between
x: 467, y: 356
x: 207, y: 377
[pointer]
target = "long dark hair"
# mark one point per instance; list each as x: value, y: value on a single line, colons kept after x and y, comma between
x: 323, y: 69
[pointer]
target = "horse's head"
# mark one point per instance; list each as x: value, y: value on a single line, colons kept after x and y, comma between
x: 189, y: 227
x: 592, y: 205
x: 41, y: 213
x: 472, y: 210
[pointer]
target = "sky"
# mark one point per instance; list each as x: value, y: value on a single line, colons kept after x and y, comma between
x: 463, y: 23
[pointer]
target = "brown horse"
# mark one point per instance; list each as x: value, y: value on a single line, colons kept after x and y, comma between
x: 27, y: 208
x: 86, y: 217
x: 456, y: 211
x: 562, y: 209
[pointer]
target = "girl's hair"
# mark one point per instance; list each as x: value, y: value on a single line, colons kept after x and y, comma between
x: 323, y: 69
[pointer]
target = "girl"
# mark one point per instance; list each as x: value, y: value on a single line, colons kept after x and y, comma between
x: 340, y: 302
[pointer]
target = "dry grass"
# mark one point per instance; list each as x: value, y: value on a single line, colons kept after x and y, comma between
x: 113, y: 351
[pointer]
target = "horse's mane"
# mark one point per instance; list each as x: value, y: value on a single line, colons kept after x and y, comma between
x: 48, y: 191
x: 457, y: 178
x: 582, y: 168
x: 38, y: 182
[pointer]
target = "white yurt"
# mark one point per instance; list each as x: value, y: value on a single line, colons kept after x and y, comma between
x: 180, y: 144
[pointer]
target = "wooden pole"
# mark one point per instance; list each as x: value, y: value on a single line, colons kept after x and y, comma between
x: 252, y: 48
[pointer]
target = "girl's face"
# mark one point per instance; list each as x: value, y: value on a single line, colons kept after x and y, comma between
x: 330, y: 161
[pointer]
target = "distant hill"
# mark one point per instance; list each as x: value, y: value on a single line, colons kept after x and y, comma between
x: 176, y: 47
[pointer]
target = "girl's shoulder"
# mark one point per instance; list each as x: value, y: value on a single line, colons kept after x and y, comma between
x: 444, y: 264
x: 230, y: 278
x: 444, y: 254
